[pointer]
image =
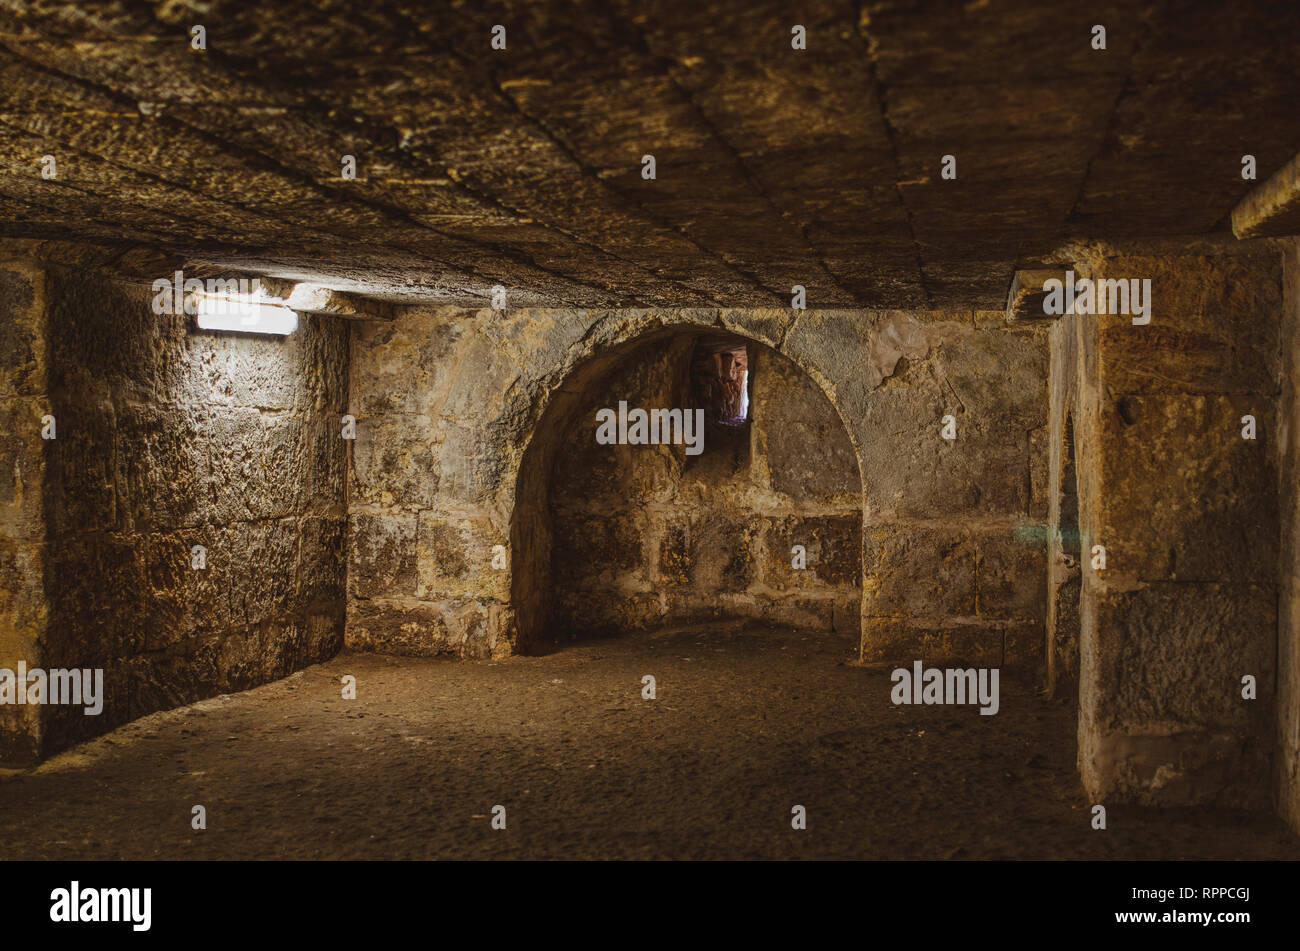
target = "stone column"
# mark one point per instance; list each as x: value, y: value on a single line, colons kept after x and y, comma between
x: 1186, y: 509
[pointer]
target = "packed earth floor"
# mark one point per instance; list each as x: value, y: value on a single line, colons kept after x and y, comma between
x: 748, y: 722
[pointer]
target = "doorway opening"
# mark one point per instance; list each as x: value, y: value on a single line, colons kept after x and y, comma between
x: 763, y: 523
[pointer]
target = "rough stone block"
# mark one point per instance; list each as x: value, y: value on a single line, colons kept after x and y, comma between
x: 463, y: 627
x: 259, y: 372
x: 834, y: 614
x: 1023, y: 643
x: 888, y: 640
x: 1039, y: 474
x: 833, y: 546
x: 724, y: 552
x: 584, y: 612
x: 80, y: 468
x: 915, y: 473
x: 1186, y: 498
x: 676, y: 557
x: 916, y: 571
x: 322, y: 564
x: 407, y: 364
x: 997, y: 379
x: 455, y: 555
x: 1175, y: 653
x: 232, y: 451
x: 22, y: 336
x: 99, y: 599
x: 802, y: 440
x: 1235, y: 297
x: 324, y: 457
x: 1012, y: 574
x: 180, y: 600
x: 382, y: 555
x: 22, y: 468
x: 264, y: 570
x: 159, y: 471
x: 395, y: 462
x: 281, y: 467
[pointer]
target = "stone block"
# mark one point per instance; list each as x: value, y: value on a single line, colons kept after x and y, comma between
x: 1175, y: 653
x: 676, y: 557
x: 919, y: 571
x: 322, y: 561
x: 833, y: 548
x: 455, y: 555
x: 463, y: 627
x: 23, y: 609
x: 802, y: 440
x: 99, y: 592
x: 1185, y: 497
x: 264, y: 571
x: 1012, y: 574
x: 396, y: 462
x: 80, y: 489
x: 382, y: 555
x: 22, y: 332
x: 889, y: 640
x: 586, y: 612
x: 22, y: 468
x: 724, y: 550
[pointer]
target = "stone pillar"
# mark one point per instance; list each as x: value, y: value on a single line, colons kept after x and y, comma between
x: 23, y: 403
x: 1186, y: 509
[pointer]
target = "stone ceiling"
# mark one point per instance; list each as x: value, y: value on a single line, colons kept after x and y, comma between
x: 522, y: 167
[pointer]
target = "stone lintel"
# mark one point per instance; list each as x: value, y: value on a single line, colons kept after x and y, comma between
x: 306, y: 298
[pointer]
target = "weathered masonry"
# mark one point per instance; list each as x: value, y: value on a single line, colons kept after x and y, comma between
x: 906, y: 440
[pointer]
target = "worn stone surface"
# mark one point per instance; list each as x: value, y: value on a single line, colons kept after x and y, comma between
x: 646, y: 536
x: 169, y: 438
x: 1187, y: 511
x: 920, y: 571
x: 522, y: 167
x: 495, y: 411
x: 463, y: 626
x: 24, y: 386
x: 471, y: 516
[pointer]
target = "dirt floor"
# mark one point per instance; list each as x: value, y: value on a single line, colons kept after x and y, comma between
x: 748, y: 723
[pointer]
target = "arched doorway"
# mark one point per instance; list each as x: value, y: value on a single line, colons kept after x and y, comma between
x: 760, y: 518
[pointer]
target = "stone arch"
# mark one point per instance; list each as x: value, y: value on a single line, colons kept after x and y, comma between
x: 586, y: 362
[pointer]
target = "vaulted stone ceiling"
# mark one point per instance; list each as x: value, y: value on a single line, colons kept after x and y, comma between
x: 522, y: 167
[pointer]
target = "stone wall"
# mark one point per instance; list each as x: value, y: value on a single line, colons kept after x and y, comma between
x: 955, y: 533
x: 168, y: 438
x: 1186, y: 510
x: 23, y: 403
x: 648, y: 535
x: 461, y: 414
